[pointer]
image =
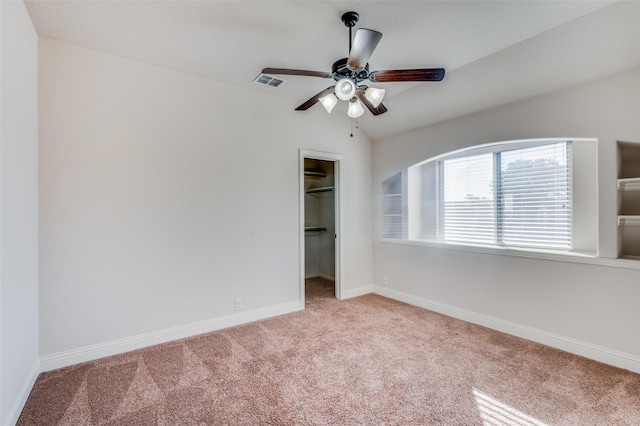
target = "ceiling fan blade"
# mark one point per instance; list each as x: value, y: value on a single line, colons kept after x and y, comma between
x: 314, y: 100
x: 285, y: 71
x: 420, y: 74
x: 380, y: 109
x: 364, y: 43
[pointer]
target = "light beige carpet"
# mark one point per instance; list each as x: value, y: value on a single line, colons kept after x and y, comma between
x: 362, y: 361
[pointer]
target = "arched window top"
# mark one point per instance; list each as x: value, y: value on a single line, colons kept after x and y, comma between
x: 514, y: 194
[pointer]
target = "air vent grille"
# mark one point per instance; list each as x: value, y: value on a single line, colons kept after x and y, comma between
x: 269, y: 80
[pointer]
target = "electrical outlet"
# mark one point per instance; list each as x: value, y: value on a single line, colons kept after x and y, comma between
x: 237, y: 305
x: 385, y: 283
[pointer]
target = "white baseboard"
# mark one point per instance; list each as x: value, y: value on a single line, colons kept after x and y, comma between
x: 358, y: 291
x: 587, y: 350
x: 101, y: 350
x: 18, y: 405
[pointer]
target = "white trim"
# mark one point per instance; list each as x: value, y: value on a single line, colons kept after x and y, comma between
x: 586, y: 245
x: 358, y: 291
x: 19, y: 403
x: 496, y: 146
x: 588, y: 350
x: 101, y: 350
x: 338, y: 170
x: 571, y: 257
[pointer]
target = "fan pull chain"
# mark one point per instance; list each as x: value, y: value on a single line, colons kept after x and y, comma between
x: 352, y: 121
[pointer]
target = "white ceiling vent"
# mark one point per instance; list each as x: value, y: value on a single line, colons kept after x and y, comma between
x: 269, y: 80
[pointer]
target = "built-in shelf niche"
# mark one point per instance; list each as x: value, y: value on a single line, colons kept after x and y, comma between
x: 629, y: 199
x: 392, y: 223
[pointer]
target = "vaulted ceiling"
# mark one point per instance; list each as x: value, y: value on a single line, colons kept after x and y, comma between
x: 495, y: 52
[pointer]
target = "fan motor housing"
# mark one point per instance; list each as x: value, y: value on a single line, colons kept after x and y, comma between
x: 341, y: 70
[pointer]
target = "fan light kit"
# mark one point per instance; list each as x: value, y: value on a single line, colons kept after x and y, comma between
x: 374, y: 95
x: 355, y: 108
x: 329, y: 101
x: 345, y: 89
x: 349, y: 73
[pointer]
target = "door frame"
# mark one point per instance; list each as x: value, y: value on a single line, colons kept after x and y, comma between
x: 338, y: 172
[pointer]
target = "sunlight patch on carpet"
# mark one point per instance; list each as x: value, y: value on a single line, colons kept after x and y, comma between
x: 496, y: 413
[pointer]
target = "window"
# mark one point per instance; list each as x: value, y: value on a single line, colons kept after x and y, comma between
x: 467, y: 205
x: 510, y: 194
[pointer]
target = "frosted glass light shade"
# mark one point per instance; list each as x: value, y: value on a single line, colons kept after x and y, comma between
x: 355, y: 108
x: 374, y: 96
x: 328, y: 102
x: 345, y: 89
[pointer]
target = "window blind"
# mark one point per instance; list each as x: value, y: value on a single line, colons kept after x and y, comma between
x: 520, y: 197
x: 468, y: 202
x: 535, y: 196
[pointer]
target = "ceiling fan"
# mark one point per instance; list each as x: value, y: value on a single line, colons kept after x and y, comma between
x: 349, y: 73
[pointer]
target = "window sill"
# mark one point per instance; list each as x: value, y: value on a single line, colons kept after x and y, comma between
x: 589, y: 258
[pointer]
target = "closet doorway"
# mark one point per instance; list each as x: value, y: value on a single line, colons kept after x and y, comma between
x: 320, y: 182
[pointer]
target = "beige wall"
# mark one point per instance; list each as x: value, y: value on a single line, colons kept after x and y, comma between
x: 164, y: 197
x: 19, y: 363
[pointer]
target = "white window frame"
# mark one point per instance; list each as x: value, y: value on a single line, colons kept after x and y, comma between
x: 585, y: 244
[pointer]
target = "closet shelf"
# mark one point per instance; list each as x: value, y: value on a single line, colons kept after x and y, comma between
x: 311, y: 173
x: 323, y: 189
x: 629, y: 184
x: 315, y: 228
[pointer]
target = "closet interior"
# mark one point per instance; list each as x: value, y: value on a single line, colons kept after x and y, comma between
x: 319, y: 212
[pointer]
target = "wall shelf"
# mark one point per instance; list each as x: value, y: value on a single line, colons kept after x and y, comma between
x: 629, y: 184
x: 629, y: 257
x: 628, y: 219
